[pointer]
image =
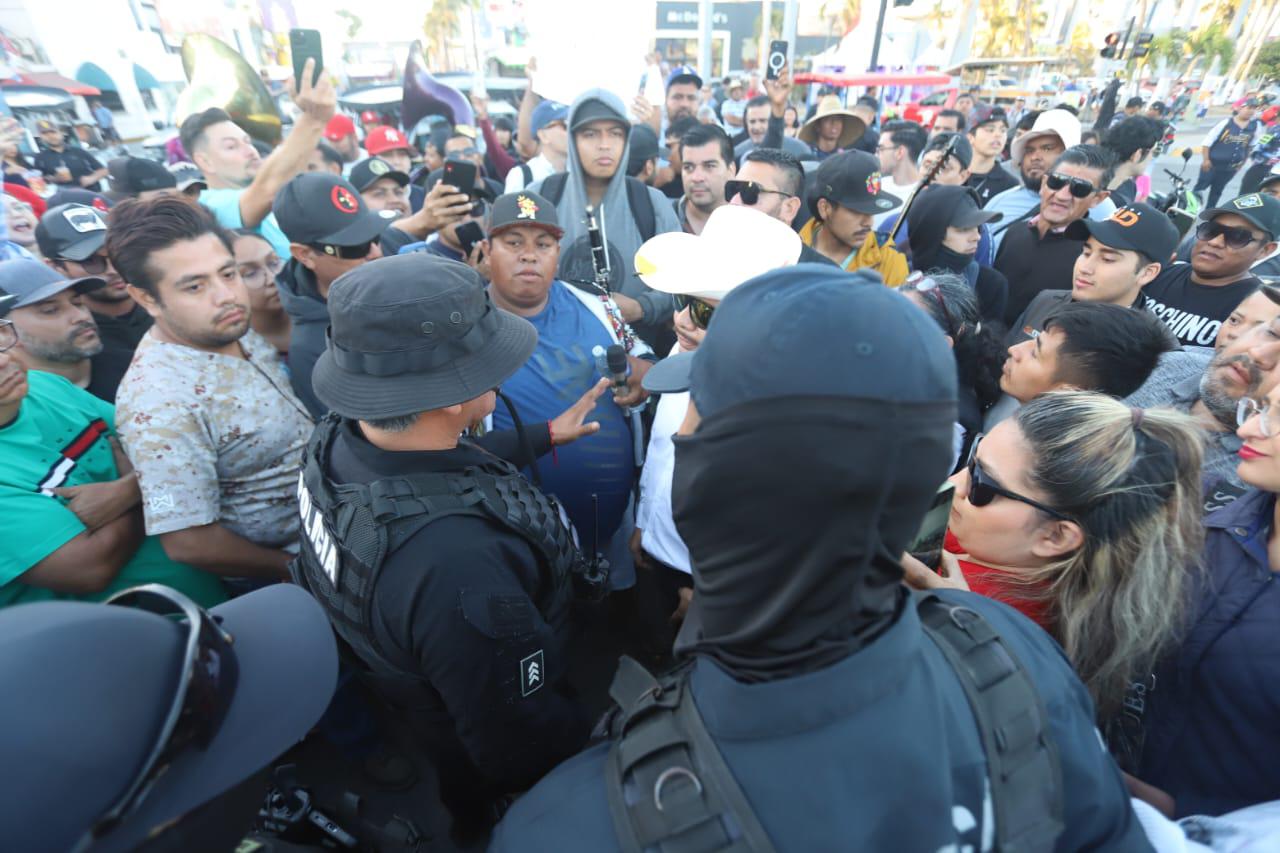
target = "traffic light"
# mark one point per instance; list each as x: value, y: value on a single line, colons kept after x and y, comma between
x: 1112, y: 49
x: 1141, y: 45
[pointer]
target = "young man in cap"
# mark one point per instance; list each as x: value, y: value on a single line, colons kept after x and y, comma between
x: 1131, y: 108
x: 642, y: 154
x: 340, y: 132
x: 1132, y: 143
x: 393, y: 146
x: 461, y: 615
x: 1195, y: 298
x: 1224, y: 150
x: 72, y: 238
x: 384, y: 189
x: 548, y: 125
x: 845, y: 198
x: 139, y: 177
x: 683, y: 86
x: 205, y: 412
x: 626, y: 212
x: 1037, y: 252
x: 1121, y: 256
x: 65, y: 165
x: 771, y: 181
x: 799, y: 604
x: 706, y: 163
x: 190, y: 179
x: 72, y: 514
x: 241, y: 184
x: 988, y: 136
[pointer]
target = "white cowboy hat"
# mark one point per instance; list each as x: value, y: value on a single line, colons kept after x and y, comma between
x: 1059, y: 123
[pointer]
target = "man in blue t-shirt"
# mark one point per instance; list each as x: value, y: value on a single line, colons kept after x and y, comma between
x: 1224, y: 150
x: 593, y: 477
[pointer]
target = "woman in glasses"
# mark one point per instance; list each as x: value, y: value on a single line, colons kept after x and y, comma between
x: 977, y: 348
x: 1211, y: 728
x: 259, y: 264
x: 1084, y: 515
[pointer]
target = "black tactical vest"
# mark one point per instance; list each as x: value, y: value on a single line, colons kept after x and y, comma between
x: 348, y: 530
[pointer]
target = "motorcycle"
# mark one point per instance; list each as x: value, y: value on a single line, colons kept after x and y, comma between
x: 1180, y: 204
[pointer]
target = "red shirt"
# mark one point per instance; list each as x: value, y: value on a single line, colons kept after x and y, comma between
x: 996, y: 583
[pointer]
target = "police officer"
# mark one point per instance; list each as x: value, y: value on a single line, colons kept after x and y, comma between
x: 444, y: 570
x: 812, y: 671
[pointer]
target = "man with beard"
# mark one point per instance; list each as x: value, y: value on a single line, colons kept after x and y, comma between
x: 706, y: 162
x: 798, y: 603
x: 205, y: 411
x: 71, y: 238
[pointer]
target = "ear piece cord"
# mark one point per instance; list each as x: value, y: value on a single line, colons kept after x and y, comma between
x: 525, y: 444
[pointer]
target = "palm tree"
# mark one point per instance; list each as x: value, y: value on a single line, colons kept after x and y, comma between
x: 1210, y: 44
x: 441, y: 25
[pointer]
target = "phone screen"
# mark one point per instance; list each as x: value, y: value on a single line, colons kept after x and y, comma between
x: 777, y: 59
x: 459, y: 174
x: 469, y: 234
x: 927, y: 546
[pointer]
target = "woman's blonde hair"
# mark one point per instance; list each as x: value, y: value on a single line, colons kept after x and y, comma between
x: 1131, y: 479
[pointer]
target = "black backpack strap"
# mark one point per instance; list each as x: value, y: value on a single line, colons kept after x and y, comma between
x: 642, y: 208
x: 669, y: 788
x: 527, y: 173
x: 553, y: 187
x: 1022, y: 760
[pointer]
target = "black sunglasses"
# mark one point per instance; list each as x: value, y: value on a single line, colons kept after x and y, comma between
x: 983, y: 489
x: 1234, y: 236
x: 347, y: 253
x: 206, y: 686
x: 1080, y: 188
x: 749, y: 190
x: 699, y: 311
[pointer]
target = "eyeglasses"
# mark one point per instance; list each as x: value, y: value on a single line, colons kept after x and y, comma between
x: 1234, y: 236
x: 93, y: 265
x: 927, y: 284
x: 347, y: 253
x: 700, y: 311
x: 1248, y: 407
x: 8, y: 335
x: 749, y: 190
x: 983, y: 489
x: 886, y: 148
x: 1080, y: 188
x: 206, y: 686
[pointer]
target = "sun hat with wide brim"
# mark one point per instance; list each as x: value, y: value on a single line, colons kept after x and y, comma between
x: 830, y: 105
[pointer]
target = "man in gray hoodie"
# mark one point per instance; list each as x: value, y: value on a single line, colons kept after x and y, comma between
x: 596, y: 176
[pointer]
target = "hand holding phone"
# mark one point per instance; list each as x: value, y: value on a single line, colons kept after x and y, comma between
x: 777, y: 59
x: 304, y: 45
x: 468, y: 234
x: 927, y: 547
x: 460, y: 174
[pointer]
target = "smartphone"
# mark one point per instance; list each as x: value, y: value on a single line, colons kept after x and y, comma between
x: 469, y: 233
x: 927, y: 547
x: 304, y: 45
x: 777, y: 59
x: 460, y: 174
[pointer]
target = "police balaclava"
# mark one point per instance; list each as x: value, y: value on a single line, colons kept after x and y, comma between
x: 827, y: 405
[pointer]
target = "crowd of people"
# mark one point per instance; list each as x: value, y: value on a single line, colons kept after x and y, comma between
x: 602, y: 443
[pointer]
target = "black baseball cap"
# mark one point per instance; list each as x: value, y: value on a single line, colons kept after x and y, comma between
x: 986, y: 114
x: 365, y: 173
x: 524, y: 208
x: 963, y: 151
x: 133, y: 175
x: 852, y: 179
x: 317, y: 209
x: 1259, y: 208
x: 72, y: 231
x: 77, y: 195
x: 643, y: 147
x: 1137, y: 228
x: 30, y: 281
x: 413, y: 333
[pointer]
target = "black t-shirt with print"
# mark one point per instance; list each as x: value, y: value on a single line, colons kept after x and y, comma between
x: 991, y: 184
x: 1194, y: 312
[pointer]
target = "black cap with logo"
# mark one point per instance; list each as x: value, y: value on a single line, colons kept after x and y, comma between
x: 852, y: 179
x: 1137, y: 228
x: 524, y: 208
x: 133, y: 175
x: 368, y: 171
x: 1259, y: 208
x: 72, y: 231
x: 321, y: 209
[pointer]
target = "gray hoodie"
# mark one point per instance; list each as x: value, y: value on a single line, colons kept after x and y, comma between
x: 617, y: 226
x: 310, y: 316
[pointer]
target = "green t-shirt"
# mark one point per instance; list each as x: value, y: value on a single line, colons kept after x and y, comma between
x: 59, y: 439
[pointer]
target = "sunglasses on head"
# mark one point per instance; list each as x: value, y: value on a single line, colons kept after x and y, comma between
x: 749, y: 190
x: 1233, y: 235
x: 700, y: 311
x: 983, y: 489
x: 347, y: 253
x: 205, y: 688
x: 1080, y: 188
x: 928, y: 284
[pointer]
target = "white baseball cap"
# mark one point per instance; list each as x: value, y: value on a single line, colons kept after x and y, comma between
x: 1059, y: 123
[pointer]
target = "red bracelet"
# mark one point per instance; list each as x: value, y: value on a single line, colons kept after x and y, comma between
x: 551, y: 434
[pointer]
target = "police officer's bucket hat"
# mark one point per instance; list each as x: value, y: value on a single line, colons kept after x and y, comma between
x: 413, y: 333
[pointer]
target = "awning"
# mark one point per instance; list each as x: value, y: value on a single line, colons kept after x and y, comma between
x: 53, y: 80
x: 93, y: 75
x: 923, y: 78
x: 143, y: 78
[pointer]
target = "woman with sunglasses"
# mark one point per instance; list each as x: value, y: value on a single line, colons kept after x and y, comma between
x: 976, y: 345
x: 1083, y: 514
x: 1210, y: 724
x: 259, y: 265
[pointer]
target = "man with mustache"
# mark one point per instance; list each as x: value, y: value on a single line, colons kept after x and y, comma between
x: 71, y: 239
x: 205, y: 411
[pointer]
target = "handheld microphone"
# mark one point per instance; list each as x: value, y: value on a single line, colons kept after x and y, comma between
x: 619, y: 370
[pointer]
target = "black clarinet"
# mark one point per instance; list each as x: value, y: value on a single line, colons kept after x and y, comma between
x: 599, y: 255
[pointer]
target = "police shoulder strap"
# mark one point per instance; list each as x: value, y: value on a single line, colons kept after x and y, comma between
x: 668, y: 786
x: 1022, y: 759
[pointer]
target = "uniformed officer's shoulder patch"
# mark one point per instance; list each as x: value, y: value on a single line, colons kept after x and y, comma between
x: 531, y: 673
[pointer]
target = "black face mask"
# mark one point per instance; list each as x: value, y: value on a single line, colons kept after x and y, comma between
x: 950, y: 260
x: 796, y: 511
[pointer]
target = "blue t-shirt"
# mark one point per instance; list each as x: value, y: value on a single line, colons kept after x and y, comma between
x: 560, y: 371
x: 225, y: 205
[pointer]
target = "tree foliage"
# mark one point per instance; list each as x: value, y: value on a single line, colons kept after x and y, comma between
x: 1267, y: 65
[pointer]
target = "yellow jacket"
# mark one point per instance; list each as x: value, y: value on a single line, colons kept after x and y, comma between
x: 886, y: 260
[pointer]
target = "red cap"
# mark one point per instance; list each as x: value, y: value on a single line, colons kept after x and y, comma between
x: 368, y: 116
x: 383, y: 139
x: 18, y: 191
x: 339, y: 127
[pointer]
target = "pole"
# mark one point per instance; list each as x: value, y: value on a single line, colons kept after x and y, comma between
x: 790, y: 11
x: 766, y: 30
x: 1124, y: 45
x: 704, y: 39
x: 875, y: 46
